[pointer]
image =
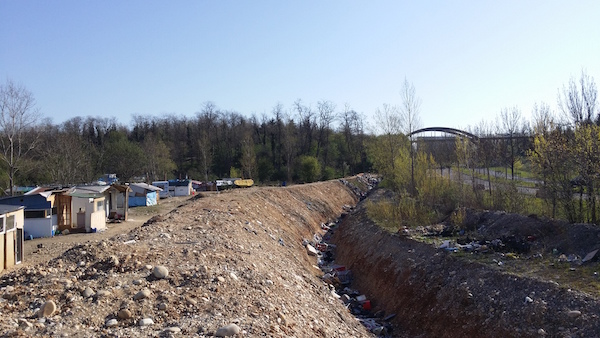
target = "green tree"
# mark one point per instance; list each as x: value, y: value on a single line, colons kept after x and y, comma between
x: 123, y: 157
x: 552, y: 161
x: 158, y: 163
x: 587, y: 160
x: 309, y: 169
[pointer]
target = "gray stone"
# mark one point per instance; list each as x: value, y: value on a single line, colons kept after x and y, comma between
x: 87, y: 293
x: 172, y: 330
x: 47, y: 309
x: 574, y: 313
x: 160, y: 272
x: 112, y: 322
x: 103, y: 293
x: 145, y: 293
x: 162, y: 306
x: 227, y: 330
x: 145, y: 322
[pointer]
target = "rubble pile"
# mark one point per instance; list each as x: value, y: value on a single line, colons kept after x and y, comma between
x: 362, y: 184
x: 229, y: 264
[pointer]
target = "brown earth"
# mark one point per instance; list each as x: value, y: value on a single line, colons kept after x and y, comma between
x: 232, y: 258
x: 238, y: 257
x: 496, y: 293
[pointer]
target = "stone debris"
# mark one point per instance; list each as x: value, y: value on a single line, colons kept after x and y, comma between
x: 228, y: 330
x: 160, y: 272
x: 87, y: 292
x: 172, y: 330
x: 112, y: 322
x: 124, y: 314
x: 146, y: 322
x: 47, y: 310
x: 142, y: 294
x: 226, y: 270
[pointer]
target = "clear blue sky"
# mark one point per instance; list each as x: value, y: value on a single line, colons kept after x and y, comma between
x: 466, y: 59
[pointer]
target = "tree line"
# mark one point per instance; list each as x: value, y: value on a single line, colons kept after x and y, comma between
x: 309, y: 142
x: 299, y: 143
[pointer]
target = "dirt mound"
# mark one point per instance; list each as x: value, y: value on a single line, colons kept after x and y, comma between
x: 439, y: 293
x: 543, y: 234
x: 232, y: 258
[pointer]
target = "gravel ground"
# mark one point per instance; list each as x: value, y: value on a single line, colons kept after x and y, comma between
x: 224, y: 264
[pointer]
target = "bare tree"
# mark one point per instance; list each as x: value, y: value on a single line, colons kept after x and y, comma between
x: 410, y: 107
x: 326, y: 117
x: 389, y: 125
x: 511, y: 121
x: 18, y: 116
x: 578, y: 101
x: 248, y: 160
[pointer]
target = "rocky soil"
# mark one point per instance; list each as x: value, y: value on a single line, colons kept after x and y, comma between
x: 225, y: 265
x: 275, y: 262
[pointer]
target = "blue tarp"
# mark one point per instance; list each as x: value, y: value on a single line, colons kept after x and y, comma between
x: 148, y: 200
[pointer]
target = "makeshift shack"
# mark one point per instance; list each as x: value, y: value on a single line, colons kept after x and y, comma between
x: 88, y: 208
x: 143, y: 194
x: 117, y: 197
x: 181, y: 187
x: 11, y: 235
x: 164, y: 185
x: 41, y: 205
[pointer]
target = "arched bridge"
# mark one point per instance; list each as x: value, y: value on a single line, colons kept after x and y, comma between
x: 452, y: 131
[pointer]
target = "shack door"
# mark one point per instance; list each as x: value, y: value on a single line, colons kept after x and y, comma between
x: 63, y: 209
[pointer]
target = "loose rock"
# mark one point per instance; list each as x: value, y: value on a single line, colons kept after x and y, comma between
x: 124, y: 314
x: 47, y: 310
x: 172, y: 330
x: 112, y: 322
x: 145, y: 293
x: 228, y: 330
x: 87, y: 293
x: 160, y: 272
x: 145, y: 322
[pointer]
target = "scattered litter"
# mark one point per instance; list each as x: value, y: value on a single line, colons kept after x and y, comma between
x: 589, y: 256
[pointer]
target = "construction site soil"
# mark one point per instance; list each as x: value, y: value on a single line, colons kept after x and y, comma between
x: 242, y: 263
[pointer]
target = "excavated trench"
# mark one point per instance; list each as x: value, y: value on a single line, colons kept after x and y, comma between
x: 435, y: 294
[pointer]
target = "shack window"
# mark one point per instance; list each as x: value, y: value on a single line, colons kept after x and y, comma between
x: 35, y: 213
x: 99, y: 205
x: 10, y: 222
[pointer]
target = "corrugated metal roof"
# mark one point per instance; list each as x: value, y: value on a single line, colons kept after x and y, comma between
x: 4, y: 208
x: 88, y: 191
x: 146, y: 186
